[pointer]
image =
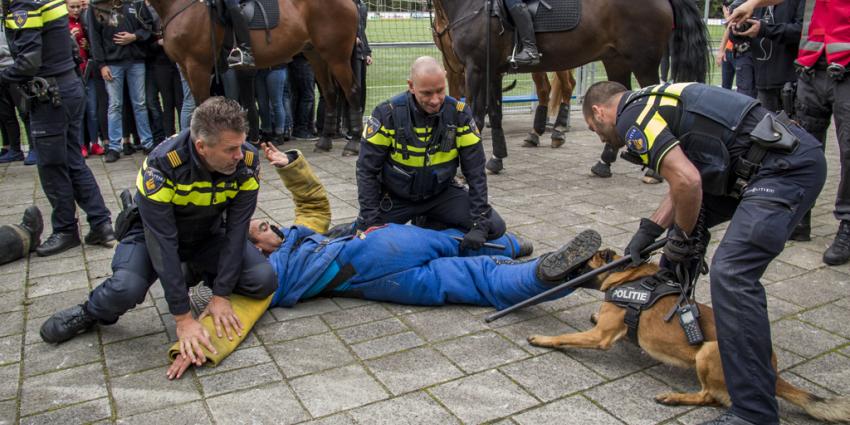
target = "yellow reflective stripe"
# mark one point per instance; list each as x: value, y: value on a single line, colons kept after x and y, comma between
x: 655, y: 126
x: 33, y: 21
x: 51, y: 14
x: 250, y: 184
x: 646, y: 109
x: 411, y: 161
x: 676, y: 89
x: 190, y: 187
x: 668, y: 101
x: 249, y: 158
x: 43, y: 15
x: 379, y: 139
x: 410, y: 148
x: 443, y: 157
x: 165, y: 194
x: 468, y: 139
x: 663, y: 154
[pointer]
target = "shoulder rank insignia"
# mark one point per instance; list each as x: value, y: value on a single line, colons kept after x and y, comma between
x: 153, y: 180
x: 20, y: 17
x: 372, y: 127
x: 174, y: 159
x: 636, y: 140
x: 460, y: 106
x: 249, y: 158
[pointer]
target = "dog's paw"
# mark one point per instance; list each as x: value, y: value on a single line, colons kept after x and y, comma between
x: 541, y: 341
x: 667, y: 399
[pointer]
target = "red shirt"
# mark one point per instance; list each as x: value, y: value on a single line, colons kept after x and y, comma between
x: 80, y: 38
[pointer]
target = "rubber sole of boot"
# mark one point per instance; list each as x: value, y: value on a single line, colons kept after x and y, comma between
x: 556, y: 266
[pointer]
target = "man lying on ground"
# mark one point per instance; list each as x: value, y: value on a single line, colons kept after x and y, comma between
x: 395, y: 263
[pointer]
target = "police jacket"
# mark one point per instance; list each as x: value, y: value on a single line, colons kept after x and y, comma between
x: 39, y: 39
x: 703, y: 120
x: 104, y: 51
x: 182, y: 205
x: 775, y: 48
x: 415, y: 156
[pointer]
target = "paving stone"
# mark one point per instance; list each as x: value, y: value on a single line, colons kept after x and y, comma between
x: 12, y: 282
x: 356, y: 316
x: 386, y: 345
x: 311, y: 354
x: 186, y: 414
x: 149, y: 391
x: 42, y: 357
x: 57, y: 283
x: 777, y: 308
x: 824, y: 317
x: 622, y: 359
x: 701, y: 415
x: 271, y: 404
x: 519, y: 333
x: 631, y: 399
x: 337, y: 389
x: 575, y: 410
x: 443, y: 323
x: 477, y: 352
x: 346, y: 303
x: 57, y: 266
x: 9, y: 374
x: 8, y: 414
x: 803, y: 339
x: 483, y: 397
x: 244, y: 357
x: 70, y: 386
x: 831, y: 371
x: 50, y: 304
x: 411, y: 409
x: 779, y: 270
x: 10, y: 349
x: 430, y: 368
x: 133, y: 324
x: 551, y: 375
x: 12, y: 301
x: 799, y: 256
x: 372, y: 330
x: 78, y: 414
x: 292, y: 329
x: 11, y: 323
x: 136, y: 354
x: 15, y: 267
x: 579, y: 318
x: 812, y: 289
x: 312, y: 307
x: 240, y: 379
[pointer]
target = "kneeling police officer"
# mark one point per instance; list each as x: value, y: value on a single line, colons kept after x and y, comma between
x: 44, y: 83
x: 409, y: 156
x: 722, y: 152
x: 196, y: 194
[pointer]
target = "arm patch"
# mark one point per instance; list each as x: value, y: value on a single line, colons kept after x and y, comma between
x: 152, y: 180
x: 372, y: 127
x: 636, y: 140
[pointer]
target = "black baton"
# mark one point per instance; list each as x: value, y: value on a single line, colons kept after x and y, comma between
x: 485, y: 245
x: 574, y: 282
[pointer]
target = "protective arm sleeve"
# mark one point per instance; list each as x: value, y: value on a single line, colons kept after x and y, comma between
x: 239, y: 214
x: 472, y: 159
x: 161, y: 241
x: 369, y: 165
x: 312, y: 208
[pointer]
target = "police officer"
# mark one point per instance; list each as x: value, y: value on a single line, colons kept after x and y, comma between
x: 528, y: 55
x: 722, y: 151
x: 412, y: 146
x: 823, y: 89
x: 43, y: 73
x: 196, y: 194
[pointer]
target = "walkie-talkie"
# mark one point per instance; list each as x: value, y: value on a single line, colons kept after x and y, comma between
x: 688, y: 318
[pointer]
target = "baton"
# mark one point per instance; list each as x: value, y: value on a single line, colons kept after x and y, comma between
x: 574, y: 282
x: 485, y: 245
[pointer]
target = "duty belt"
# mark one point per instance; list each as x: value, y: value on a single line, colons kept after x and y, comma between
x: 772, y: 134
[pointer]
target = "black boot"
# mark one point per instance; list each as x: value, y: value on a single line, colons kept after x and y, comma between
x: 839, y: 252
x: 727, y: 419
x: 67, y: 324
x: 803, y: 231
x: 241, y: 57
x: 57, y: 243
x: 554, y: 267
x: 525, y: 31
x: 601, y: 169
x: 526, y: 247
x: 34, y: 224
x: 103, y: 234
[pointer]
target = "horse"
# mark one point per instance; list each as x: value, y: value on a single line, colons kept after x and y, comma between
x: 324, y: 31
x: 627, y: 39
x: 550, y: 97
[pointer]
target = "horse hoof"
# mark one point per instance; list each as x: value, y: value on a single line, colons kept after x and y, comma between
x: 531, y: 141
x: 601, y: 169
x: 494, y: 165
x: 351, y: 148
x: 323, y: 145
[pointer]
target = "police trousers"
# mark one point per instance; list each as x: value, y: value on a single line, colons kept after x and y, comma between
x: 410, y: 265
x: 773, y: 203
x: 14, y: 243
x: 451, y: 208
x: 65, y: 177
x: 133, y: 274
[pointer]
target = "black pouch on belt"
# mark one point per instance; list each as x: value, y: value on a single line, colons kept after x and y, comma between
x: 773, y: 135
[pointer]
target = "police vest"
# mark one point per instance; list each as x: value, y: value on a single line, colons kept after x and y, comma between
x: 419, y: 169
x: 706, y: 126
x: 826, y: 28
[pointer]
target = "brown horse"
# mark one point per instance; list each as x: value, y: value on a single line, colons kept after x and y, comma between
x: 325, y: 31
x: 626, y: 38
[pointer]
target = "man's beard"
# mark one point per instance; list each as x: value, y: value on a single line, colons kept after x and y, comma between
x: 608, y: 134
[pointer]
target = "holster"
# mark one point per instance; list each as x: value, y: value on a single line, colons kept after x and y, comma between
x: 772, y: 134
x: 128, y: 216
x: 22, y: 101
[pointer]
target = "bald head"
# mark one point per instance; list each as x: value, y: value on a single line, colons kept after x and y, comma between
x: 425, y: 66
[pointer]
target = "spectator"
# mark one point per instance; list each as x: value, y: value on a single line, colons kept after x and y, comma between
x: 163, y: 82
x: 88, y: 135
x: 239, y: 86
x: 270, y: 87
x: 9, y: 127
x: 95, y: 84
x: 188, y: 106
x: 726, y: 56
x: 119, y: 54
x: 303, y: 98
x: 745, y: 73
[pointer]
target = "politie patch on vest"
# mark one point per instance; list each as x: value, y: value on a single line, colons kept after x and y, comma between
x: 628, y: 295
x: 20, y: 17
x: 636, y: 140
x: 153, y: 180
x: 372, y: 127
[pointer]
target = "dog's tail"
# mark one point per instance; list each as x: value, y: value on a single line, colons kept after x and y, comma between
x: 835, y: 409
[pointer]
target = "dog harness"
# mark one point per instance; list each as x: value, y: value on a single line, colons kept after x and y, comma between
x: 640, y: 295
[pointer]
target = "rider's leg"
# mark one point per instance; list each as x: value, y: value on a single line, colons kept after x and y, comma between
x: 241, y: 56
x: 525, y: 31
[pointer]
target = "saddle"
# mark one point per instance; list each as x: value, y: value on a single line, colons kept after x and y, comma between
x: 547, y: 15
x: 259, y: 14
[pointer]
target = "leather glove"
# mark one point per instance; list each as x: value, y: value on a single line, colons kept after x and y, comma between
x: 680, y: 248
x: 647, y: 233
x: 474, y: 239
x: 340, y: 230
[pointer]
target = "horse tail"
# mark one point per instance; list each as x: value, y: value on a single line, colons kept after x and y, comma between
x: 509, y: 87
x: 689, y: 54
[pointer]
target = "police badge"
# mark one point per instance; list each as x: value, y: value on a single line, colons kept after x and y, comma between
x: 372, y: 127
x: 636, y: 140
x: 153, y: 181
x: 20, y: 17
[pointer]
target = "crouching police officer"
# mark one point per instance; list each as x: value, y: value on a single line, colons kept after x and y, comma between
x: 196, y: 194
x: 412, y: 146
x: 44, y: 83
x: 722, y: 151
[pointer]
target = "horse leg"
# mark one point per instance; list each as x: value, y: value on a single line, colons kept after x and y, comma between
x: 566, y: 82
x: 198, y: 77
x: 500, y: 148
x: 542, y: 87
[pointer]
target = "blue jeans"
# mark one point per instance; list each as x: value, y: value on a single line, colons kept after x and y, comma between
x: 188, y: 105
x: 745, y: 75
x: 727, y: 70
x: 134, y: 73
x: 269, y: 88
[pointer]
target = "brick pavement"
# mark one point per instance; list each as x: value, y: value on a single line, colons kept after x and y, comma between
x: 343, y: 361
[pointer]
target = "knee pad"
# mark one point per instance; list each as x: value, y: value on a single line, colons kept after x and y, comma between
x: 118, y: 294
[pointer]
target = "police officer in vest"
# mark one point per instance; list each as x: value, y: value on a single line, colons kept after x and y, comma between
x: 196, y: 194
x: 45, y: 84
x: 412, y: 146
x: 722, y: 151
x: 823, y: 90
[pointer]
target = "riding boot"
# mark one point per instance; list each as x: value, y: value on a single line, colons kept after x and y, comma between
x: 241, y: 57
x: 525, y: 31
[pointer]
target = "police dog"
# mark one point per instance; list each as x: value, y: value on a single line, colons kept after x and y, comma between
x: 666, y: 342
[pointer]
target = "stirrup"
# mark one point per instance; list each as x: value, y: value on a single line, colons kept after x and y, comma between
x: 239, y: 59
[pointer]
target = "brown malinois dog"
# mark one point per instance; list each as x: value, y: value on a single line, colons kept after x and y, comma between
x: 665, y: 341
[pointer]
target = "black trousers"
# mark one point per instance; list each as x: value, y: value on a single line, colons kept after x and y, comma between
x: 133, y: 274
x: 14, y: 243
x: 10, y: 129
x: 167, y: 81
x: 239, y: 86
x: 302, y: 83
